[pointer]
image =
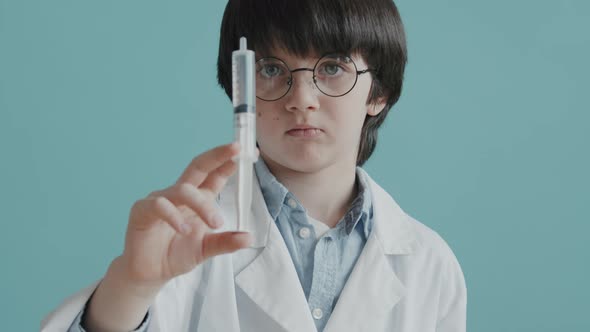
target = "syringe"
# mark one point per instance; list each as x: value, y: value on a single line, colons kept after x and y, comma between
x: 244, y: 102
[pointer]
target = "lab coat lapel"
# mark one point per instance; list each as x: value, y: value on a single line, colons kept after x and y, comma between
x: 373, y: 288
x: 272, y: 283
x: 370, y: 292
x: 270, y: 279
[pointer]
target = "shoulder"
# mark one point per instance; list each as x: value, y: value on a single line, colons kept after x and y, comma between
x: 430, y: 246
x: 417, y: 253
x: 402, y: 233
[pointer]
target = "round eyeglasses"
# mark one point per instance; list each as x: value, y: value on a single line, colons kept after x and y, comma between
x: 334, y: 75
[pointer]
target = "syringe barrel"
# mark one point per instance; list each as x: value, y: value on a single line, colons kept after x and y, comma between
x: 245, y: 134
x: 243, y: 79
x: 244, y: 100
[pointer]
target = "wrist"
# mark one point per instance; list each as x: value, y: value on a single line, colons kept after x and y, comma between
x: 119, y: 303
x: 118, y: 277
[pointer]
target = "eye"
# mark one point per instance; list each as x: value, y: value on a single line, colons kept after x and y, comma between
x: 330, y: 69
x: 334, y: 65
x: 270, y: 70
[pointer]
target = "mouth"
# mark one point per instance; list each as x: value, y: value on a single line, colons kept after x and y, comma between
x: 304, y: 131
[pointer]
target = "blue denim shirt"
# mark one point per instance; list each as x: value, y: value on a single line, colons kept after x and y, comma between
x: 323, y: 264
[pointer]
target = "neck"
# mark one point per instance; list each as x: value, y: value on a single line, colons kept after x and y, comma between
x: 325, y: 194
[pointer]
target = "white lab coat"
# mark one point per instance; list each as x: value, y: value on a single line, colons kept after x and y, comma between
x: 405, y: 280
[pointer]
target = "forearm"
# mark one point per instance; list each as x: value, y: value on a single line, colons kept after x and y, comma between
x: 118, y: 305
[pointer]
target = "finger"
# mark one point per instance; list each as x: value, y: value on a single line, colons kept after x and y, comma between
x: 201, y: 202
x: 218, y: 178
x: 197, y: 171
x: 156, y: 208
x: 222, y: 243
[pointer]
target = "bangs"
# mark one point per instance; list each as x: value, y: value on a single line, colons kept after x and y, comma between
x: 301, y: 28
x: 311, y: 28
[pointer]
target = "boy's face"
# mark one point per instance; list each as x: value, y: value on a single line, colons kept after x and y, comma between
x: 333, y: 123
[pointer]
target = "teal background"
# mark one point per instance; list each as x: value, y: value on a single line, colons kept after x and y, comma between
x: 103, y: 102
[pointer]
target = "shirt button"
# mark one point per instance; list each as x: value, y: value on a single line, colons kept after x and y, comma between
x: 292, y: 203
x: 304, y: 233
x: 317, y: 313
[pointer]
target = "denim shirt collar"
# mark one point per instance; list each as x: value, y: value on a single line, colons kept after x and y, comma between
x: 276, y: 195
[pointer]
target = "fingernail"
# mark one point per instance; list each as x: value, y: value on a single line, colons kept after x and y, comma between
x: 248, y: 237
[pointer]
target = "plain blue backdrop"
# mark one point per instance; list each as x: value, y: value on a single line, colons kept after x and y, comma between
x: 102, y: 102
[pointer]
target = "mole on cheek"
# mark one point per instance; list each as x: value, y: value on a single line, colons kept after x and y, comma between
x: 259, y: 114
x: 276, y: 118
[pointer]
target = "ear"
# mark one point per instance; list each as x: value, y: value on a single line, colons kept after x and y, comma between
x: 376, y: 107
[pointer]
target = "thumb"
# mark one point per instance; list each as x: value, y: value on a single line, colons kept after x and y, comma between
x: 223, y: 243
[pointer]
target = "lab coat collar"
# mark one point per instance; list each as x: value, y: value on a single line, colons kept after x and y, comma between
x: 393, y: 228
x: 371, y: 291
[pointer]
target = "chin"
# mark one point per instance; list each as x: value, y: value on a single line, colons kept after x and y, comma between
x: 302, y: 163
x: 301, y: 167
x: 301, y: 159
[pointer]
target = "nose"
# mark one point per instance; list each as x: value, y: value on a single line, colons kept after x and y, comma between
x: 303, y: 95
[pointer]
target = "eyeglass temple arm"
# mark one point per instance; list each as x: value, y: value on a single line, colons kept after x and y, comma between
x: 359, y: 72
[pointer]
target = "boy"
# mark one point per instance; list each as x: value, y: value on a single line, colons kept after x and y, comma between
x: 328, y: 249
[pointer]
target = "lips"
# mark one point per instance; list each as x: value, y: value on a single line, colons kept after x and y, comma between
x: 304, y: 131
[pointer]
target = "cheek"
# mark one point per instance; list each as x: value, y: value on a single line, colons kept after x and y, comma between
x: 266, y: 122
x: 264, y: 117
x: 266, y: 112
x: 347, y: 117
x: 349, y: 109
